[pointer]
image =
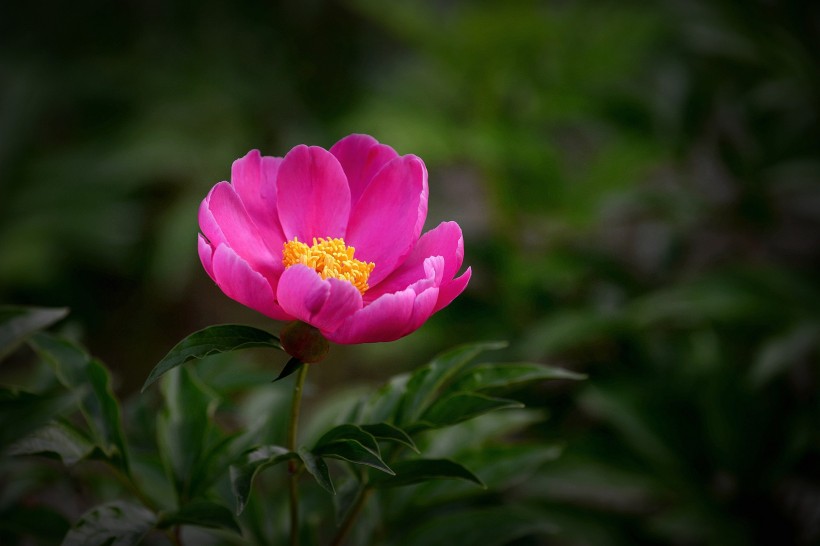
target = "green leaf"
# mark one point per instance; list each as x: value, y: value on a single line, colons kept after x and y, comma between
x: 291, y: 366
x: 202, y: 513
x: 317, y: 468
x: 186, y: 431
x: 56, y: 437
x: 17, y: 323
x: 23, y: 412
x: 384, y: 404
x: 212, y: 340
x: 348, y: 432
x: 115, y: 523
x: 485, y: 377
x: 390, y: 433
x: 75, y: 369
x: 425, y: 383
x: 253, y: 461
x: 353, y: 452
x: 413, y: 471
x: 462, y: 406
x: 105, y: 410
x: 490, y: 526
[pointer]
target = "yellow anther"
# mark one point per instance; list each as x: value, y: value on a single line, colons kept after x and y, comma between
x: 330, y: 258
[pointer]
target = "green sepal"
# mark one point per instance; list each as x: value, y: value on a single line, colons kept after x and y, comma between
x: 291, y: 367
x: 209, y: 341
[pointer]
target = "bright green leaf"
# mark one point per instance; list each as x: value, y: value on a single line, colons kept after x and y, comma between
x: 462, y: 406
x: 56, y: 437
x: 413, y: 471
x: 390, y: 433
x: 354, y: 452
x: 115, y: 523
x: 17, y: 323
x: 317, y: 468
x: 243, y: 473
x: 506, y: 376
x: 424, y: 383
x: 209, y: 341
x: 202, y: 513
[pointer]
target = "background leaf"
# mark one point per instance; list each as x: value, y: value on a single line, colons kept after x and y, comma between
x: 115, y: 523
x: 413, y: 471
x: 203, y: 514
x: 16, y: 323
x: 56, y: 437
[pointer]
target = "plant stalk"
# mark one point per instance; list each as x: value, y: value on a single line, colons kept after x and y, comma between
x: 352, y: 514
x: 293, y: 465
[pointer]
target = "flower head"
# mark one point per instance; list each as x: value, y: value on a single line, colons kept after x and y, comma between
x: 333, y: 239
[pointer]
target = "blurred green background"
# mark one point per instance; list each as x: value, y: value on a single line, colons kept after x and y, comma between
x: 638, y: 184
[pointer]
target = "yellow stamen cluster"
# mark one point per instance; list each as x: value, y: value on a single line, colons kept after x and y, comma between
x: 330, y: 258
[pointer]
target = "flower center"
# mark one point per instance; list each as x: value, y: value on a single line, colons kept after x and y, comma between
x: 330, y: 258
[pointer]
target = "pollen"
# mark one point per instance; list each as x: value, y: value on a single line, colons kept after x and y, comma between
x: 330, y: 258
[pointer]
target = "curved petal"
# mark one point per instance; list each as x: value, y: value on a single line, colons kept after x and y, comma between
x: 450, y: 290
x: 206, y: 255
x: 387, y: 220
x: 423, y: 307
x: 325, y: 304
x: 240, y: 282
x: 444, y: 240
x: 224, y: 220
x: 312, y: 194
x: 361, y: 157
x: 386, y: 319
x: 254, y: 180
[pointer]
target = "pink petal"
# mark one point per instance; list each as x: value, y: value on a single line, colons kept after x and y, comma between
x: 444, y: 240
x: 389, y: 216
x: 240, y: 282
x: 325, y: 304
x: 224, y: 220
x: 361, y: 157
x: 254, y: 180
x: 206, y: 255
x: 313, y: 195
x: 450, y: 290
x: 423, y: 307
x: 386, y: 319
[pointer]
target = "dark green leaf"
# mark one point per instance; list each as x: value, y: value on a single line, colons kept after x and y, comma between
x: 462, y: 406
x: 186, y: 431
x: 115, y: 523
x: 492, y: 526
x: 243, y: 472
x: 354, y: 452
x: 318, y: 469
x: 105, y: 410
x: 76, y: 370
x: 212, y: 340
x: 291, y: 366
x: 383, y: 405
x: 202, y: 513
x: 390, y: 433
x: 56, y: 437
x: 506, y: 376
x: 413, y: 471
x: 23, y: 412
x: 348, y: 432
x: 17, y: 323
x: 424, y: 384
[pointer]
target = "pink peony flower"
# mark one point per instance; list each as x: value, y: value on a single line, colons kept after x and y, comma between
x: 331, y: 238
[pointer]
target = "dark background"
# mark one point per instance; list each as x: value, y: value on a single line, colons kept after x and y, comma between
x: 637, y: 183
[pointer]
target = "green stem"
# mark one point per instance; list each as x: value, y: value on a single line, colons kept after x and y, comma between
x: 293, y: 465
x: 352, y: 514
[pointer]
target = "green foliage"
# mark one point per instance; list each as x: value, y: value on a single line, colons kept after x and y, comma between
x: 383, y: 443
